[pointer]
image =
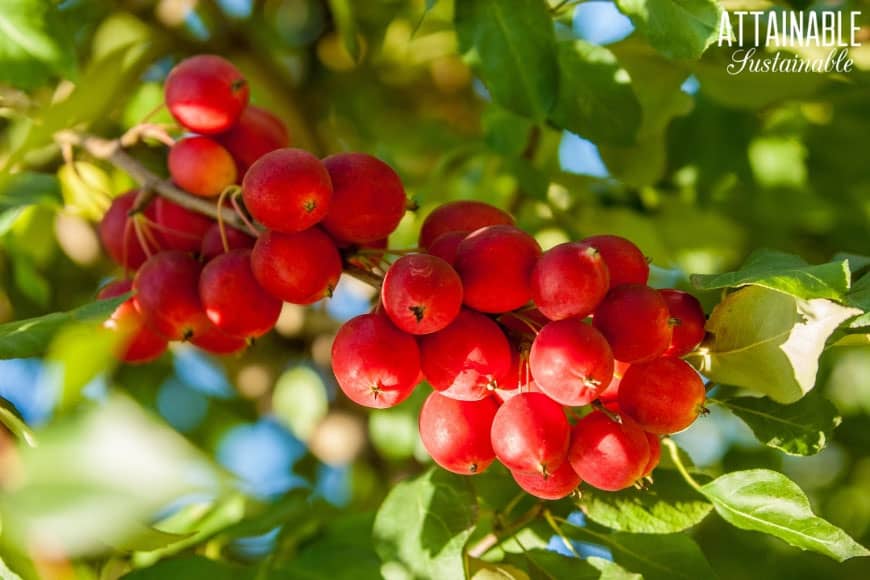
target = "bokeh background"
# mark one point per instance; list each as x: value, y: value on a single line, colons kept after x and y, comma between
x: 761, y: 161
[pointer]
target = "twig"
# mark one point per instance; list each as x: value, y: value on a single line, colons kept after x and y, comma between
x: 493, y: 538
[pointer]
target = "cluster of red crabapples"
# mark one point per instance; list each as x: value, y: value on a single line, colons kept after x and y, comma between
x: 514, y: 340
x: 220, y: 287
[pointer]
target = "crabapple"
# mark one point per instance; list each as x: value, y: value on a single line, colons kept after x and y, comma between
x: 495, y: 264
x: 300, y: 268
x: 233, y: 300
x: 212, y: 244
x: 466, y: 359
x: 635, y: 321
x: 569, y: 281
x: 530, y: 434
x: 571, y: 362
x: 655, y: 454
x: 463, y: 216
x: 167, y: 295
x: 119, y: 236
x: 368, y: 198
x: 216, y: 341
x: 287, y: 190
x: 556, y: 485
x: 256, y: 133
x: 456, y: 433
x: 663, y: 396
x: 611, y: 391
x: 625, y: 262
x: 606, y: 454
x: 179, y: 228
x: 201, y: 166
x: 421, y: 293
x: 687, y: 319
x: 206, y: 94
x: 375, y: 364
x: 139, y: 344
x: 445, y: 246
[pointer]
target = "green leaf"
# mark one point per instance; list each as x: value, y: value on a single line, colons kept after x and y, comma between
x: 192, y: 568
x: 28, y: 188
x: 424, y: 523
x: 342, y: 11
x: 681, y: 29
x: 769, y: 502
x: 16, y: 426
x: 859, y: 295
x: 31, y: 337
x: 669, y: 505
x: 611, y: 570
x: 785, y: 273
x: 34, y: 45
x: 515, y: 44
x: 145, y: 538
x: 654, y: 556
x: 802, y: 428
x: 505, y: 132
x: 596, y: 99
x: 6, y: 573
x: 546, y: 564
x: 769, y: 342
x: 78, y: 353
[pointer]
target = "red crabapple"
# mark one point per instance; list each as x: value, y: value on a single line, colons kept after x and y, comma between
x: 212, y: 244
x: 257, y: 132
x: 368, y: 199
x: 216, y: 341
x: 206, y: 94
x: 375, y: 364
x: 655, y: 454
x: 421, y: 293
x: 687, y: 319
x: 179, y: 228
x: 495, y: 264
x: 606, y: 454
x: 287, y: 190
x: 625, y: 262
x: 519, y: 376
x: 456, y: 433
x: 663, y: 396
x: 201, y: 166
x: 300, y: 268
x: 118, y: 232
x: 571, y: 362
x: 556, y: 485
x: 466, y: 359
x: 611, y: 391
x: 167, y: 295
x: 232, y: 298
x: 139, y: 344
x: 635, y: 321
x: 446, y: 245
x: 530, y: 434
x: 462, y: 216
x: 569, y: 281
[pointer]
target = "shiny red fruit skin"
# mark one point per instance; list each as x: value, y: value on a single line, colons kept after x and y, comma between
x: 561, y: 483
x: 216, y: 341
x: 530, y: 434
x: 495, y: 264
x: 213, y: 246
x: 625, y: 262
x: 687, y: 320
x: 445, y: 246
x: 571, y: 362
x: 140, y: 343
x: 456, y: 433
x: 118, y: 234
x: 421, y: 294
x: 167, y: 295
x: 466, y: 359
x: 635, y: 321
x: 287, y: 190
x: 376, y: 364
x: 233, y: 299
x: 256, y: 133
x: 663, y: 396
x: 519, y: 375
x: 611, y: 391
x: 179, y: 228
x: 463, y: 216
x: 206, y: 94
x: 569, y: 280
x: 655, y: 454
x: 606, y: 454
x: 368, y: 199
x: 201, y: 166
x: 300, y: 268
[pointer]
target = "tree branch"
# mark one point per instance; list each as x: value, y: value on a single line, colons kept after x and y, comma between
x: 495, y: 537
